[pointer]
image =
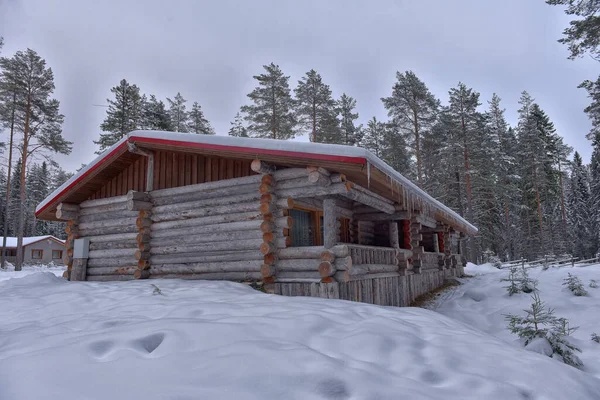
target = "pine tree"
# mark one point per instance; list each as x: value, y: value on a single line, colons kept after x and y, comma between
x: 237, y: 127
x: 394, y: 151
x: 316, y: 110
x: 197, y: 122
x: 582, y: 36
x: 177, y: 113
x: 349, y: 132
x: 271, y: 114
x: 506, y: 191
x: 413, y: 109
x: 124, y: 115
x: 374, y: 138
x: 580, y: 211
x: 38, y: 188
x: 14, y: 205
x: 155, y: 115
x: 39, y: 122
x: 8, y: 117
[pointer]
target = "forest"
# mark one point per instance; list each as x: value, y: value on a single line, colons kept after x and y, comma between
x: 528, y: 192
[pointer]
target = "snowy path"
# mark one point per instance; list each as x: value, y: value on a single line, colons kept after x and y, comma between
x: 482, y: 303
x: 221, y: 340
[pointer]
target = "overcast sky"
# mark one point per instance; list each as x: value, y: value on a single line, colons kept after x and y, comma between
x: 209, y: 51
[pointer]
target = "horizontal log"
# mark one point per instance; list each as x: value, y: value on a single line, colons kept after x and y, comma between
x: 309, y: 191
x: 362, y: 269
x: 136, y: 205
x: 125, y: 270
x: 290, y: 173
x: 103, y: 202
x: 380, y: 216
x: 343, y: 276
x: 370, y: 200
x: 297, y: 265
x: 209, y: 237
x: 209, y: 220
x: 138, y: 196
x: 206, y: 211
x: 305, y: 252
x: 200, y: 230
x: 343, y: 263
x: 261, y: 167
x: 196, y: 268
x: 211, y: 246
x: 112, y: 262
x: 212, y: 202
x: 107, y: 216
x: 253, y: 255
x: 112, y: 253
x: 426, y: 221
x: 143, y: 264
x: 108, y: 208
x: 142, y: 255
x: 67, y: 207
x: 229, y: 191
x: 205, y: 187
x: 109, y: 230
x: 220, y: 276
x: 112, y: 238
x: 373, y: 194
x: 336, y: 178
x: 143, y: 238
x: 109, y: 223
x: 109, y: 278
x: 66, y: 211
x: 294, y: 183
x: 312, y: 275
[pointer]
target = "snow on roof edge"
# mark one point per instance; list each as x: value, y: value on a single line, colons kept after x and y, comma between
x: 80, y: 173
x: 11, y: 241
x: 267, y: 144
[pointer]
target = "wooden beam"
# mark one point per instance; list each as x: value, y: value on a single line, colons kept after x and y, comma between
x: 398, y: 215
x: 261, y: 167
x: 66, y: 211
x: 366, y: 197
x: 426, y: 221
x: 330, y: 230
x: 150, y: 171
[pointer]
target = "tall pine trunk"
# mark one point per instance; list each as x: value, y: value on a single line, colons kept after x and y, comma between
x: 418, y: 149
x: 8, y: 183
x: 20, y: 254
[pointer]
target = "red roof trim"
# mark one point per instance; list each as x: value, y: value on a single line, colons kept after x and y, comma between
x: 76, y: 181
x: 251, y: 150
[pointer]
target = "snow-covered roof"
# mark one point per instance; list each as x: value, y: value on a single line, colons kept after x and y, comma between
x: 11, y: 242
x: 336, y: 152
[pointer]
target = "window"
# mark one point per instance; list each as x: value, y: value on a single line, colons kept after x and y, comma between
x: 56, y: 254
x: 37, y: 254
x: 307, y: 229
x: 306, y: 225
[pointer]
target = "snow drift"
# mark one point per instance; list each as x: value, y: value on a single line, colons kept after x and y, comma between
x: 222, y: 340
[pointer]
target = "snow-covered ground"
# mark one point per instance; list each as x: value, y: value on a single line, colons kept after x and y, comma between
x: 9, y: 272
x: 221, y: 340
x: 483, y: 301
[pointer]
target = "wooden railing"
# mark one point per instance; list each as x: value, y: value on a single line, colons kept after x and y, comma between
x: 431, y: 260
x: 362, y: 254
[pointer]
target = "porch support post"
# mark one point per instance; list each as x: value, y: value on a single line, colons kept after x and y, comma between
x: 330, y: 228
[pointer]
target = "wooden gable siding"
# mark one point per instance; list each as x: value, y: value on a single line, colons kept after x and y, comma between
x: 173, y: 169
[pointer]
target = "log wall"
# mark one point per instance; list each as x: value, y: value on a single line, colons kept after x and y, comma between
x: 111, y: 229
x: 171, y: 170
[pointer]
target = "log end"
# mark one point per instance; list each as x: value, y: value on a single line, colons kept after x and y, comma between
x: 267, y: 180
x: 265, y: 189
x: 267, y: 248
x: 327, y: 255
x: 141, y: 274
x: 267, y: 270
x: 326, y: 269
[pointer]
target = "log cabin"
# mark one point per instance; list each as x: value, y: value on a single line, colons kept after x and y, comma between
x: 302, y: 219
